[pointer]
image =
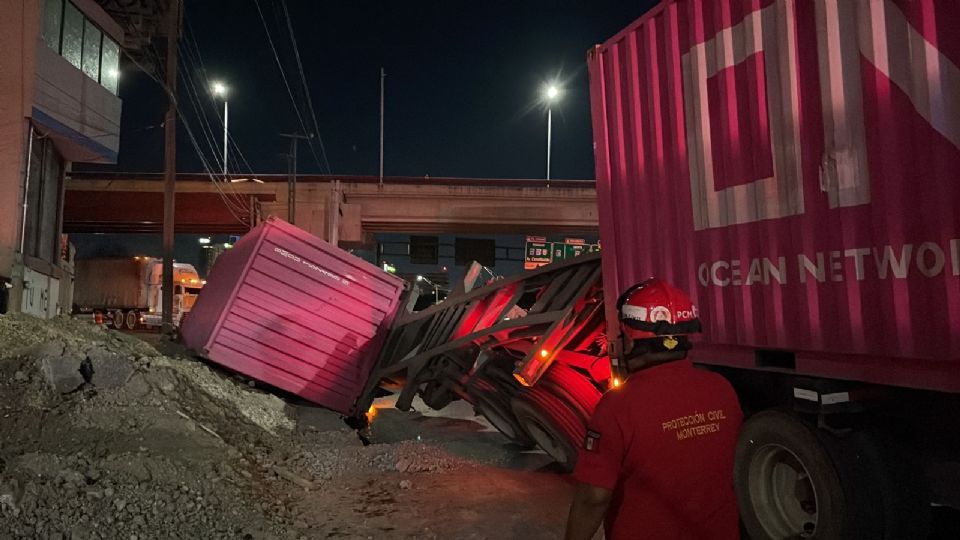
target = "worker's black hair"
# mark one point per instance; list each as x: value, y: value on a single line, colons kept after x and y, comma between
x: 652, y: 351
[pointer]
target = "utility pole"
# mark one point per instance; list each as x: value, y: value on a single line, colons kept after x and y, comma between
x: 383, y: 76
x: 292, y: 174
x: 170, y: 166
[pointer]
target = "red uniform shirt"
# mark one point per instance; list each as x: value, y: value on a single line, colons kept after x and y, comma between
x: 664, y: 444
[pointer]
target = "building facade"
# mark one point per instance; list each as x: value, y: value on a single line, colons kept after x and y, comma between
x: 59, y: 74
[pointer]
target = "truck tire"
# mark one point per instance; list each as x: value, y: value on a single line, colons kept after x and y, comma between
x: 886, y: 498
x: 132, y: 319
x: 575, y: 388
x: 552, y: 423
x: 116, y: 318
x: 493, y: 403
x: 786, y: 483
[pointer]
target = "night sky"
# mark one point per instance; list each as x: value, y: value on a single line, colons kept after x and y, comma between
x: 463, y: 82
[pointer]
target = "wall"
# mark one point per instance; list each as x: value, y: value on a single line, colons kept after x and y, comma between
x: 19, y: 25
x: 82, y: 116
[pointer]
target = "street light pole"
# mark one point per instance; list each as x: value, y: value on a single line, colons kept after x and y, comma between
x: 549, y: 133
x: 226, y: 146
x: 550, y: 95
x: 220, y: 90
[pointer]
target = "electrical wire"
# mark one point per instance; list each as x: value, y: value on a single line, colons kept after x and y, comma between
x: 154, y: 58
x: 286, y: 82
x: 207, y: 81
x: 306, y: 88
x: 193, y: 95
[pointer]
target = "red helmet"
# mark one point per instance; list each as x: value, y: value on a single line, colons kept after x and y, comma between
x: 656, y: 308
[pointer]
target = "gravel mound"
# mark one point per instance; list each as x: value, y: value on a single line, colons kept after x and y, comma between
x: 102, y: 436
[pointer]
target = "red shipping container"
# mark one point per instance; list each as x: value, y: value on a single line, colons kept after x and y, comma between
x: 289, y: 309
x: 794, y: 166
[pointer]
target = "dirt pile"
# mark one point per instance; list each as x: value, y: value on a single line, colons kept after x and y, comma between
x: 105, y: 437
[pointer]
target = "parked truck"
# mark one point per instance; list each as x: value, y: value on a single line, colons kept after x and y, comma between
x: 127, y: 292
x: 793, y: 166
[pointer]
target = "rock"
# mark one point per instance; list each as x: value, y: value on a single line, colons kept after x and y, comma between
x: 62, y: 373
x: 109, y: 370
x: 20, y: 376
x: 137, y: 386
x: 404, y: 464
x: 10, y: 494
x: 406, y: 484
x: 47, y: 349
x: 293, y: 478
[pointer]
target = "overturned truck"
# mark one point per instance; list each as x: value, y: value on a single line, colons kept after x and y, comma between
x: 288, y: 309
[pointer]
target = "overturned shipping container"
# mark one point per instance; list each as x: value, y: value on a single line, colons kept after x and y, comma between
x: 288, y: 309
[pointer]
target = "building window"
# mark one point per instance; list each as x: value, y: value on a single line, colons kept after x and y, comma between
x: 482, y: 250
x: 424, y: 249
x: 42, y: 227
x: 110, y: 65
x: 77, y: 39
x: 91, y: 50
x: 72, y: 44
x: 52, y: 21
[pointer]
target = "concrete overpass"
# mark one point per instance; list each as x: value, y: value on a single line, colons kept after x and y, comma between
x: 345, y: 209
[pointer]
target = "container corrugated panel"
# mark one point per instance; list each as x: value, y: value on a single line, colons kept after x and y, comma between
x: 794, y: 166
x: 289, y: 309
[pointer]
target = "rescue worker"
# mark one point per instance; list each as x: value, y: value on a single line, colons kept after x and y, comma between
x: 657, y: 461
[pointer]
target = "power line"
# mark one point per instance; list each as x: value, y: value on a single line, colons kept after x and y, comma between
x: 194, y: 98
x: 153, y: 57
x: 286, y: 82
x: 206, y: 80
x: 306, y: 88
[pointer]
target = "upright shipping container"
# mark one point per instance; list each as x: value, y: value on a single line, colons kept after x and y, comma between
x: 793, y: 164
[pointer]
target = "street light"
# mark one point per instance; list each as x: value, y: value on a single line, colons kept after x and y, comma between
x: 436, y: 288
x: 220, y: 90
x: 550, y: 94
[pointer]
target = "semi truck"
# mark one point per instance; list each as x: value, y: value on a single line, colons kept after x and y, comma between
x: 792, y: 165
x: 128, y: 293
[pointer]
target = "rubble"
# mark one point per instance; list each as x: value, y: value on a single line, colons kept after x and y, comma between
x: 105, y: 437
x: 103, y: 433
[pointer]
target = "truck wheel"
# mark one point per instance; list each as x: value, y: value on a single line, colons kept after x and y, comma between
x: 131, y: 319
x: 575, y: 389
x: 786, y: 483
x: 117, y: 319
x: 552, y: 424
x: 895, y: 504
x: 493, y: 403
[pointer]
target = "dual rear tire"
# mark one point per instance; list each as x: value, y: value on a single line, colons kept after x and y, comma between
x: 794, y: 480
x: 552, y: 414
x: 119, y: 318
